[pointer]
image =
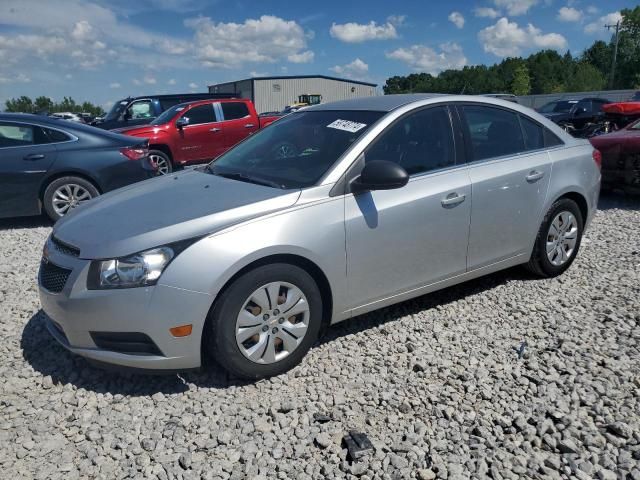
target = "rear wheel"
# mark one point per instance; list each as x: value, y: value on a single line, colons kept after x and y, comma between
x: 265, y: 322
x: 66, y: 193
x: 162, y: 160
x: 558, y: 239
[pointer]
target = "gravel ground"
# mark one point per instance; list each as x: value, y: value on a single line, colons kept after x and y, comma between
x: 440, y: 385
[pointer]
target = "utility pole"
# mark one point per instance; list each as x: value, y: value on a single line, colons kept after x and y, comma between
x: 615, y: 52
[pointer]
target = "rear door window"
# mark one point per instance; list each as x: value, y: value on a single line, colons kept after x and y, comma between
x: 45, y: 135
x: 15, y: 135
x: 234, y: 110
x: 493, y: 132
x: 200, y: 114
x: 140, y: 109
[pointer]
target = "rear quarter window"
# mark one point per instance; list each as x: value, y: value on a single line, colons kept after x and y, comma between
x: 493, y: 132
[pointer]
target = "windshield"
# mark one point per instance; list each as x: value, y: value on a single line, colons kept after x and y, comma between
x: 116, y: 110
x: 297, y: 150
x: 167, y: 115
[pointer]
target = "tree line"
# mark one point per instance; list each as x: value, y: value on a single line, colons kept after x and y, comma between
x: 44, y: 104
x: 543, y: 72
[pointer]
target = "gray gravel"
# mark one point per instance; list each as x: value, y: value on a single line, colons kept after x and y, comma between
x: 437, y: 383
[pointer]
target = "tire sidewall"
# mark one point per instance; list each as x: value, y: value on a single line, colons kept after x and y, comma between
x: 160, y: 153
x: 220, y: 340
x: 560, y: 206
x: 47, y: 198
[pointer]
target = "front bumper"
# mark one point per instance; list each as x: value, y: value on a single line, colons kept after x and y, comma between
x: 75, y: 314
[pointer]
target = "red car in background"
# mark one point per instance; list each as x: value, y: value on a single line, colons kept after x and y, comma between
x: 197, y: 132
x: 620, y: 158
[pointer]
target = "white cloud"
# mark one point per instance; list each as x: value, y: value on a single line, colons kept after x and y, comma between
x: 357, y: 32
x: 356, y: 69
x: 515, y: 7
x: 593, y: 10
x: 507, y: 39
x: 135, y: 81
x: 20, y: 78
x: 114, y: 85
x: 569, y: 14
x: 193, y: 85
x: 426, y: 59
x: 457, y: 19
x: 486, y: 12
x: 598, y: 26
x: 396, y: 20
x: 264, y: 40
x: 149, y: 80
x: 171, y: 81
x: 304, y: 57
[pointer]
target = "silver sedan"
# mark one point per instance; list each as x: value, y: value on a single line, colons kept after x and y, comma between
x: 331, y: 212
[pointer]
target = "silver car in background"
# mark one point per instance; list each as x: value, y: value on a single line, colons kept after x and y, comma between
x: 331, y: 212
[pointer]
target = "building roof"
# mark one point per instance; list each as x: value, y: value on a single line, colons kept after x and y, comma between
x: 280, y: 77
x: 382, y: 103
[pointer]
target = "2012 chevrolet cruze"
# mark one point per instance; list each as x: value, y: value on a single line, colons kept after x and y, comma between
x: 331, y: 212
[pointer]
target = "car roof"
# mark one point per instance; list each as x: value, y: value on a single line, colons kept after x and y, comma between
x: 382, y: 103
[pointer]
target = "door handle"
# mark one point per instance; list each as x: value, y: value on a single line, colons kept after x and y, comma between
x: 534, y: 176
x: 249, y: 125
x: 452, y: 199
x: 34, y: 156
x: 214, y: 130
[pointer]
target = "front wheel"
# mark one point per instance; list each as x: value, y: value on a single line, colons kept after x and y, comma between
x: 162, y: 161
x: 265, y: 322
x: 558, y: 239
x: 66, y: 193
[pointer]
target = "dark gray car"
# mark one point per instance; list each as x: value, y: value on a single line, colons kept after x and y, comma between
x: 54, y: 165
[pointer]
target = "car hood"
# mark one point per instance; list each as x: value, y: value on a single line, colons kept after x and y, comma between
x: 137, y: 131
x: 164, y: 210
x: 557, y: 116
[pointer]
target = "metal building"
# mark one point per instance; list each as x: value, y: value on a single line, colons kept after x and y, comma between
x: 271, y: 94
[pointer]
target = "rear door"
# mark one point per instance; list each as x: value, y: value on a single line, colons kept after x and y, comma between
x: 202, y: 138
x: 238, y: 123
x: 26, y: 154
x: 510, y: 171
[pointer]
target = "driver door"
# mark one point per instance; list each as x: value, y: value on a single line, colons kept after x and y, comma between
x: 403, y: 239
x: 202, y: 138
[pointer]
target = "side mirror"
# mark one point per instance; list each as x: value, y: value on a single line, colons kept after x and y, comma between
x: 182, y: 122
x: 380, y: 175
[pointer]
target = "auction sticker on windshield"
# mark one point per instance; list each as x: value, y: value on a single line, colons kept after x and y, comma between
x: 347, y: 125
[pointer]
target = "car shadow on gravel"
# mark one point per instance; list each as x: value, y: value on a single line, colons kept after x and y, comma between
x: 618, y: 201
x: 48, y: 358
x: 25, y: 222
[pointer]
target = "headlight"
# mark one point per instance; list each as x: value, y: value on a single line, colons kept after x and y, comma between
x: 138, y: 270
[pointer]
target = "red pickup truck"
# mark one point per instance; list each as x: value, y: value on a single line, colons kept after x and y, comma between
x: 197, y: 132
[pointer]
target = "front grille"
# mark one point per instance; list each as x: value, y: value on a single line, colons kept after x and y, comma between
x: 53, y: 277
x: 64, y: 248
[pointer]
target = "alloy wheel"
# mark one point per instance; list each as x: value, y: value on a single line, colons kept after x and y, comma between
x: 562, y: 238
x: 161, y: 162
x: 68, y: 196
x: 272, y: 322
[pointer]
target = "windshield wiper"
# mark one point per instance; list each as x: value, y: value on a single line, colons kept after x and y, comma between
x: 246, y: 178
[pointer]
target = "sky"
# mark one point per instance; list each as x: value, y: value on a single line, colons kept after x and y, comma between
x: 105, y: 50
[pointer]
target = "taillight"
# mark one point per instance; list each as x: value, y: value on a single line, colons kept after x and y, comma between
x: 597, y: 157
x: 134, y: 153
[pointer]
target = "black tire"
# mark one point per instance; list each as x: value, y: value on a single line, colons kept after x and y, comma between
x: 71, y: 182
x: 219, y: 339
x: 162, y: 159
x: 539, y: 263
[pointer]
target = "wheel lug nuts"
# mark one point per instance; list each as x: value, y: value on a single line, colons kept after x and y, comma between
x: 276, y: 312
x: 275, y: 330
x: 265, y: 316
x: 281, y: 320
x: 265, y: 328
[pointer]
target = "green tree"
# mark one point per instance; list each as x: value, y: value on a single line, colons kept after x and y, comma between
x: 43, y: 104
x: 19, y: 105
x: 585, y: 78
x: 521, y: 84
